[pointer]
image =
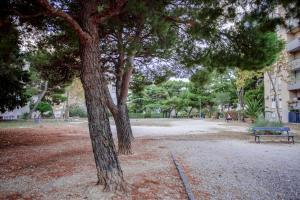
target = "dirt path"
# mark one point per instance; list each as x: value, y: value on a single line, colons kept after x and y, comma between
x: 220, y: 159
x: 57, y: 163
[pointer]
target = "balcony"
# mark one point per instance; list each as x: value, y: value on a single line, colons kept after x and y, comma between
x: 295, y: 64
x: 294, y: 85
x: 295, y: 105
x: 293, y: 45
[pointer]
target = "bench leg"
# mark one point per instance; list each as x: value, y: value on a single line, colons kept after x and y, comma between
x: 292, y: 137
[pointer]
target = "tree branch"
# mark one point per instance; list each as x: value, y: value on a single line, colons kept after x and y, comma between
x: 109, y: 102
x: 66, y: 17
x: 113, y: 10
x: 126, y: 79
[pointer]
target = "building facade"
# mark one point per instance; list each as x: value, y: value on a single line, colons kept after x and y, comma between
x: 285, y: 79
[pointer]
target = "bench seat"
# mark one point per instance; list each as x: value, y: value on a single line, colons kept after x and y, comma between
x: 284, y: 132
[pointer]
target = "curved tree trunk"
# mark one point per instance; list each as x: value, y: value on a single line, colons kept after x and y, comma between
x: 108, y: 168
x: 190, y: 111
x: 121, y: 116
x: 128, y: 121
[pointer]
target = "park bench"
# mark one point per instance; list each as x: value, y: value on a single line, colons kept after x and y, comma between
x: 283, y: 132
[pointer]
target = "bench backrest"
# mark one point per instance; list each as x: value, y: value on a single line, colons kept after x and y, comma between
x: 271, y: 129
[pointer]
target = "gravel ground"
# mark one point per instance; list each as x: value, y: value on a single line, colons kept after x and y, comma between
x: 167, y: 127
x: 55, y: 161
x: 234, y: 169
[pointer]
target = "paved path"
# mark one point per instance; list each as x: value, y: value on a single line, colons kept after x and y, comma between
x: 165, y: 127
x: 242, y: 170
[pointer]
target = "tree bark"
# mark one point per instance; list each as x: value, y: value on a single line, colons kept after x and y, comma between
x: 240, y: 95
x: 67, y: 107
x: 121, y: 117
x: 190, y: 111
x: 108, y: 168
x: 120, y: 112
x: 124, y: 131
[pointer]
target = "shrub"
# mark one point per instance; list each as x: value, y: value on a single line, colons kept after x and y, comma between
x: 254, y: 108
x: 45, y: 108
x: 147, y: 115
x: 136, y: 115
x: 262, y: 122
x: 77, y: 111
x: 216, y: 115
x: 183, y: 114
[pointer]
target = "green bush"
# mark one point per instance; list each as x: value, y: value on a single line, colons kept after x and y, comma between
x: 216, y: 115
x: 182, y: 114
x: 254, y: 108
x: 262, y: 122
x: 147, y: 115
x: 136, y: 115
x: 77, y: 111
x: 45, y: 108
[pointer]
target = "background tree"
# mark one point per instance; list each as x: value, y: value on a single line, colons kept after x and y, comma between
x: 13, y: 77
x: 279, y: 71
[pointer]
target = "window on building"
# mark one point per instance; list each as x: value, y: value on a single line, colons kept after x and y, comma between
x: 297, y: 75
x: 279, y: 84
x: 273, y: 102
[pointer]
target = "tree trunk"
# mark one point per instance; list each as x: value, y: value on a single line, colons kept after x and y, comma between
x: 190, y: 111
x: 121, y: 116
x: 67, y: 108
x: 124, y: 131
x: 128, y: 120
x: 240, y: 95
x: 41, y: 96
x: 108, y: 168
x: 275, y: 97
x: 243, y: 104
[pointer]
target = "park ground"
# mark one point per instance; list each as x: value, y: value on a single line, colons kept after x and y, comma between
x: 54, y: 160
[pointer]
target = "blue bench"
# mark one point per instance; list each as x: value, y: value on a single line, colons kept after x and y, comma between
x: 283, y: 132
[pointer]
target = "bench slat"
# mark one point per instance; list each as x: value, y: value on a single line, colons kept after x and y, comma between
x: 276, y: 135
x: 271, y: 129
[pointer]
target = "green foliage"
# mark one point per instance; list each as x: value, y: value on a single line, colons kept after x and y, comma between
x: 254, y: 108
x: 58, y: 98
x: 222, y: 98
x: 77, y: 111
x: 262, y: 122
x: 45, y: 108
x: 256, y: 93
x: 13, y: 78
